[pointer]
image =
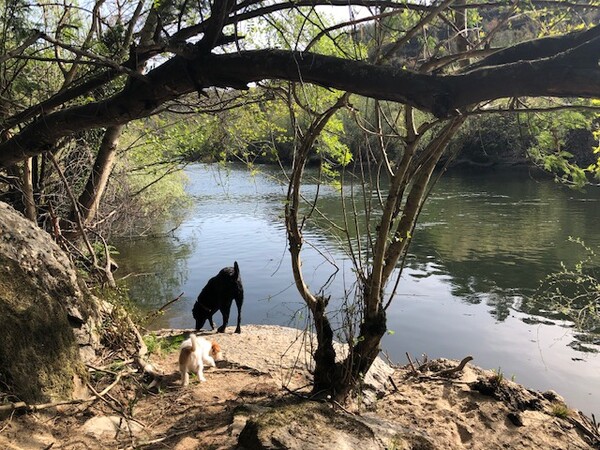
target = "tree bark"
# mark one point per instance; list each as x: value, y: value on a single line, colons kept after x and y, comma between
x: 27, y: 187
x: 416, y: 196
x: 387, y: 253
x: 89, y: 200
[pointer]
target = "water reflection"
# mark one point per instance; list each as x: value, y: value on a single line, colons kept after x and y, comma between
x: 482, y: 246
x: 154, y: 268
x: 498, y: 236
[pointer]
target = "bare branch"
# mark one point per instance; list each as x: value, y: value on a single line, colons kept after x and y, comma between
x: 21, y: 48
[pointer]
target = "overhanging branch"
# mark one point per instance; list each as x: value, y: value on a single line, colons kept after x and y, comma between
x: 572, y: 73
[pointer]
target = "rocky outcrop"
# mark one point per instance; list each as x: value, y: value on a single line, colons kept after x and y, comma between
x: 317, y: 426
x: 47, y: 319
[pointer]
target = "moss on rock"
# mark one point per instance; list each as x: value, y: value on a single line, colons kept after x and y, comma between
x: 45, y: 316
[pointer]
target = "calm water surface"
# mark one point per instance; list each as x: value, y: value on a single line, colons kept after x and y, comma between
x: 482, y: 246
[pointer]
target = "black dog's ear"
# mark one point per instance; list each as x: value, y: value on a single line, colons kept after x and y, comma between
x: 236, y: 269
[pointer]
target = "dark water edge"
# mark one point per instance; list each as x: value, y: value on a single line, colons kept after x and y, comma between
x: 483, y: 243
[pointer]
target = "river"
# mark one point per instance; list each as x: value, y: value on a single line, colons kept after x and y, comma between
x: 483, y: 243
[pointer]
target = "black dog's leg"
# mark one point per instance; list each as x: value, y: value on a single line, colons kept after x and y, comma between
x: 225, y: 312
x: 238, y: 302
x: 210, y: 321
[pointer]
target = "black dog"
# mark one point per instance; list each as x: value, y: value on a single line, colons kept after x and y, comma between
x: 218, y: 293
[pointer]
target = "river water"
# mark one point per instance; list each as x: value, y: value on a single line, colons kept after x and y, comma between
x: 483, y: 243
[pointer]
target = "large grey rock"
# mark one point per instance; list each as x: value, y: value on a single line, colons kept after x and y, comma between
x: 46, y: 318
x: 318, y: 426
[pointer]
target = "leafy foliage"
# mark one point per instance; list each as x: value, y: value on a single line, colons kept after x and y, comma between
x: 551, y: 132
x: 162, y: 345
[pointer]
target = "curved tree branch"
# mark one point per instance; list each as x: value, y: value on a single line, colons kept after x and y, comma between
x: 572, y: 73
x: 538, y: 48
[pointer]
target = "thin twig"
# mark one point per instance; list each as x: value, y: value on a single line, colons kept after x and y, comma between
x: 164, y: 438
x: 120, y: 411
x: 16, y: 406
x: 114, y: 383
x: 18, y: 50
x: 106, y: 273
x: 393, y: 383
x: 593, y: 435
x: 12, y: 413
x: 410, y: 363
x: 296, y: 393
x: 154, y: 314
x: 82, y: 52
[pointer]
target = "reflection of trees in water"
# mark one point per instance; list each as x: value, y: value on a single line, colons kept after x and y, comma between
x: 512, y: 287
x: 156, y: 268
x: 493, y: 238
x: 470, y: 282
x: 587, y: 343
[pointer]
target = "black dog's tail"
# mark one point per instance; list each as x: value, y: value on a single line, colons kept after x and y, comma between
x: 236, y: 269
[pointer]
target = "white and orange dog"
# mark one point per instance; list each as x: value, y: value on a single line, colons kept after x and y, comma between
x: 195, y: 353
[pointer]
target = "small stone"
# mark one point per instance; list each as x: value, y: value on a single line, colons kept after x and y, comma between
x: 109, y: 426
x: 553, y: 396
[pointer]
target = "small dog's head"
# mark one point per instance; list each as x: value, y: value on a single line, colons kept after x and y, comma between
x: 215, y: 351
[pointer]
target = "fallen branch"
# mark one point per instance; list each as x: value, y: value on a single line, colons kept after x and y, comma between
x: 120, y: 411
x: 100, y: 369
x: 393, y: 383
x: 586, y: 426
x: 20, y: 406
x: 122, y: 363
x: 164, y: 438
x: 140, y: 358
x: 296, y: 392
x: 249, y: 370
x: 114, y: 383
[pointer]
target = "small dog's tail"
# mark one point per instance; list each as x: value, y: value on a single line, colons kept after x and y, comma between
x: 236, y: 269
x: 194, y: 340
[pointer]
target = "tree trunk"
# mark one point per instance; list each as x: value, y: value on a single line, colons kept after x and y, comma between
x: 328, y: 378
x: 89, y: 200
x: 374, y: 323
x: 27, y: 187
x: 573, y: 72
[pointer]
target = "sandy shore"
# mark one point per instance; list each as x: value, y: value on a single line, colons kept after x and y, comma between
x: 261, y: 366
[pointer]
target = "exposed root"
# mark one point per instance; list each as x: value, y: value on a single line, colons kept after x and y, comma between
x: 459, y: 368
